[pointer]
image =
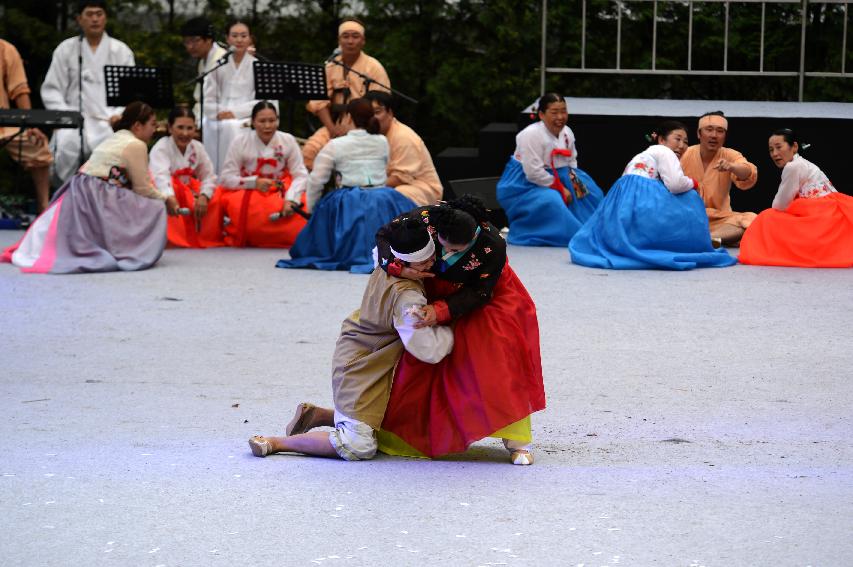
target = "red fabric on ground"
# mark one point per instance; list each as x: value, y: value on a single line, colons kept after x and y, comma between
x: 491, y: 379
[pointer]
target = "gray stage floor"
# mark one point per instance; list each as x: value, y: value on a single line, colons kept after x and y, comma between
x: 699, y: 418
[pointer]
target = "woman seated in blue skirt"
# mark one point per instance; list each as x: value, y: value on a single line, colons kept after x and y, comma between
x: 341, y: 232
x: 545, y: 196
x: 651, y: 218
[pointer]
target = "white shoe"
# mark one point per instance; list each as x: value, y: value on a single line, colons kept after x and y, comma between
x: 521, y: 457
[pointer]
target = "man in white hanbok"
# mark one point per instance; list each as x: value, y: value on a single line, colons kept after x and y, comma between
x: 199, y: 42
x: 61, y: 87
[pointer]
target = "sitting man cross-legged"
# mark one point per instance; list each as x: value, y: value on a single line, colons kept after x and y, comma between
x: 715, y: 168
x: 410, y: 167
x: 28, y: 147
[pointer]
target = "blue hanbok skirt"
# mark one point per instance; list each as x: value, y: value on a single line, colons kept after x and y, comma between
x: 537, y: 215
x: 341, y: 233
x: 641, y: 225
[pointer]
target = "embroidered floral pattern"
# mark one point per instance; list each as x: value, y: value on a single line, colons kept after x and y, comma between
x: 118, y: 177
x: 278, y: 152
x: 642, y: 168
x: 472, y: 264
x: 816, y: 190
x: 487, y: 250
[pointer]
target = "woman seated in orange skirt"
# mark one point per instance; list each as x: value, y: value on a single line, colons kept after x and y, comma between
x: 262, y: 168
x: 181, y: 167
x: 810, y: 224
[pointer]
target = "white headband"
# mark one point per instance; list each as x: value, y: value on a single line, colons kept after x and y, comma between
x: 714, y: 120
x: 424, y: 253
x: 350, y: 25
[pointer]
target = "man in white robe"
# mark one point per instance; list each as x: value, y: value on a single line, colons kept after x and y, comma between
x: 61, y: 87
x: 199, y: 43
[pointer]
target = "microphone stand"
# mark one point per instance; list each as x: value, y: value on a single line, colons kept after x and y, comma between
x: 368, y: 79
x: 221, y: 62
x: 80, y: 96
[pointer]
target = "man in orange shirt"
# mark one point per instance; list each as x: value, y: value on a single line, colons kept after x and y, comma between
x: 716, y: 168
x: 343, y: 86
x: 410, y: 167
x: 29, y: 148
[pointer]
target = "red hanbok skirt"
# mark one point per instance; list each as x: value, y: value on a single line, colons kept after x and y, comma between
x: 810, y: 233
x: 249, y: 211
x: 491, y: 379
x: 182, y: 230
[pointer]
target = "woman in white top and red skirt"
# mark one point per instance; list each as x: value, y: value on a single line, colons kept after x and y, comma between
x: 181, y: 167
x: 107, y: 217
x: 263, y: 168
x: 810, y: 224
x: 652, y: 217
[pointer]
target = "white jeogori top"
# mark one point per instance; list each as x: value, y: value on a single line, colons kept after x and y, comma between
x: 249, y: 158
x: 166, y: 159
x: 533, y: 148
x: 359, y: 157
x: 801, y: 179
x: 659, y: 162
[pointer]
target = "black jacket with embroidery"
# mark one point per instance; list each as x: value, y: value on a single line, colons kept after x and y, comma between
x: 476, y: 272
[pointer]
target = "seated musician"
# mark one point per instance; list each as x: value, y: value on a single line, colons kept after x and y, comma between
x: 29, y: 148
x: 345, y: 79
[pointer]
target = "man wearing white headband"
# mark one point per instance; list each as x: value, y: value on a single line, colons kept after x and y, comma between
x: 343, y: 85
x: 715, y: 168
x: 371, y: 342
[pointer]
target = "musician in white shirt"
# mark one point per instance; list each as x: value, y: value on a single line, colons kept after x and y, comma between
x: 199, y: 42
x: 61, y: 87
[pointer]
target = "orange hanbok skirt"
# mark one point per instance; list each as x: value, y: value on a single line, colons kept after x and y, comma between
x: 249, y: 211
x: 182, y: 230
x: 810, y: 233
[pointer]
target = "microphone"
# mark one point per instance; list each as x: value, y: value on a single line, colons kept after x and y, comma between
x: 297, y: 208
x: 261, y: 58
x: 334, y: 54
x: 228, y: 53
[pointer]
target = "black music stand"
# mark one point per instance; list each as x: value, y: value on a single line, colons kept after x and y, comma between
x: 290, y: 82
x: 152, y: 85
